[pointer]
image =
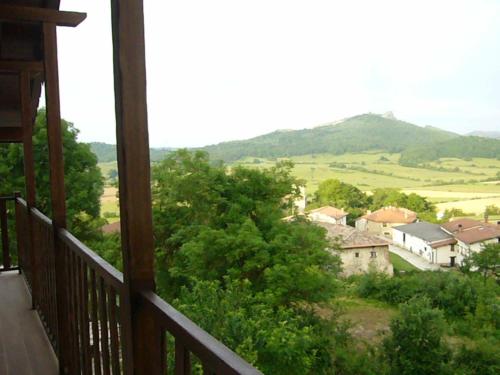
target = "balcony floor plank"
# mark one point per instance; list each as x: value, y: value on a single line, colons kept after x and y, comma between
x: 24, y: 347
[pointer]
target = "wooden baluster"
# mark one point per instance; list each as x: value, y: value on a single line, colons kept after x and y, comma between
x: 103, y: 316
x: 85, y: 319
x: 5, y: 235
x: 182, y: 359
x: 95, y: 324
x: 113, y: 328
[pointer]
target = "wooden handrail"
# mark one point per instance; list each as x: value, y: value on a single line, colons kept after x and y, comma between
x: 110, y: 274
x: 95, y: 311
x: 212, y: 353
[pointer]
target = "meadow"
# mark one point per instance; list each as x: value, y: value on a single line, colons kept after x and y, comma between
x: 470, y: 185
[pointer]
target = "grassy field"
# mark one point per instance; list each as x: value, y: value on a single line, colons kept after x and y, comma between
x: 109, y: 204
x: 449, y: 182
x: 400, y: 264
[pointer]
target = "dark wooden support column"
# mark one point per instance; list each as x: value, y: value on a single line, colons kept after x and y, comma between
x: 29, y: 175
x: 141, y: 331
x: 57, y: 189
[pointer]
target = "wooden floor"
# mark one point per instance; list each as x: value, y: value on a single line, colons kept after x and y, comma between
x: 24, y: 348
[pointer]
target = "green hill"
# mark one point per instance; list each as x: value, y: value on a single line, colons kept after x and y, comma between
x: 356, y: 134
x: 461, y: 147
x: 106, y: 152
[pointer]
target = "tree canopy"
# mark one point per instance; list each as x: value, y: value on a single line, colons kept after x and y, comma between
x: 221, y: 240
x: 83, y: 180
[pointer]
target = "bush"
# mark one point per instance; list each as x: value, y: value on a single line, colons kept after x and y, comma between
x: 416, y: 345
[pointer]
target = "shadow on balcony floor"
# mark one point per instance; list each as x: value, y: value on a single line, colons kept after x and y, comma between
x: 24, y: 347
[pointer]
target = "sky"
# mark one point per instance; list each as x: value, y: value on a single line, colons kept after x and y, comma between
x: 222, y: 70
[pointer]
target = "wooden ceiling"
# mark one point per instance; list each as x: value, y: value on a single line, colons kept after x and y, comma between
x: 21, y: 49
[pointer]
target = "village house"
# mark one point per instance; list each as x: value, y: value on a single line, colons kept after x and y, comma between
x: 360, y: 252
x: 328, y: 214
x: 428, y: 240
x: 382, y: 221
x: 471, y: 235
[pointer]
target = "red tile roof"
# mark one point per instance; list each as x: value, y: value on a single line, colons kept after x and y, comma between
x: 392, y: 215
x: 111, y: 228
x: 456, y: 225
x: 330, y: 211
x: 478, y: 234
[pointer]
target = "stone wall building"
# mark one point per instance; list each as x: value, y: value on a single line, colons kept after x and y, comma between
x: 360, y: 252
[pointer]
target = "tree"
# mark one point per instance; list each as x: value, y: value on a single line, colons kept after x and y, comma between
x: 221, y: 239
x: 342, y: 195
x: 487, y: 261
x: 415, y: 345
x: 83, y: 179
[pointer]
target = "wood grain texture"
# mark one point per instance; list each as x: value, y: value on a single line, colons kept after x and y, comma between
x: 141, y: 336
x: 24, y: 347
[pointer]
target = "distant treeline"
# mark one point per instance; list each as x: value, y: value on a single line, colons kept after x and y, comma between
x: 461, y: 147
x: 106, y: 152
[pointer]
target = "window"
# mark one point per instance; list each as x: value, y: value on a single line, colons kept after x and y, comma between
x: 384, y: 225
x: 356, y: 255
x: 404, y: 237
x: 452, y: 247
x: 373, y: 254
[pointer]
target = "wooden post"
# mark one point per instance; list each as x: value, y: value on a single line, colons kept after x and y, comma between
x: 57, y: 190
x: 29, y: 176
x: 142, y: 338
x: 5, y: 235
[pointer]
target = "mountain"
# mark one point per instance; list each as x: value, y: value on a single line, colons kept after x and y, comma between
x: 106, y: 152
x: 356, y: 134
x: 485, y: 134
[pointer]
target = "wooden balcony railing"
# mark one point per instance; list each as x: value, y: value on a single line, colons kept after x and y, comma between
x: 94, y: 293
x: 6, y: 259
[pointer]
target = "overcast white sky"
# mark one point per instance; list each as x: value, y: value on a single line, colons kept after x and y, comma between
x: 231, y: 69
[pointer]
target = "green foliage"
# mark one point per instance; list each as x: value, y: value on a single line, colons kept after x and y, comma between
x: 106, y: 152
x: 492, y: 210
x: 342, y: 195
x: 83, y: 180
x: 453, y: 293
x: 416, y: 345
x: 482, y: 358
x: 487, y: 261
x: 348, y: 136
x: 457, y: 147
x: 383, y: 197
x: 233, y: 266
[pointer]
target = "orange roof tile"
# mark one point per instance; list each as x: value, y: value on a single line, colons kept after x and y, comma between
x: 392, y: 215
x: 330, y: 211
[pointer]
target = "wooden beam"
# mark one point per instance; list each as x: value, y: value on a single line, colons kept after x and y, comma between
x: 11, y: 134
x: 140, y: 332
x: 12, y: 66
x: 43, y: 15
x: 29, y: 178
x: 57, y: 190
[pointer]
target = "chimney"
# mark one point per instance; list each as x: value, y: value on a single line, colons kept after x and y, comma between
x: 486, y: 217
x: 460, y: 227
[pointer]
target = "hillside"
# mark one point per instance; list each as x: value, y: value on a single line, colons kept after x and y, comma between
x: 106, y: 152
x: 485, y: 134
x: 356, y: 134
x: 460, y: 147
